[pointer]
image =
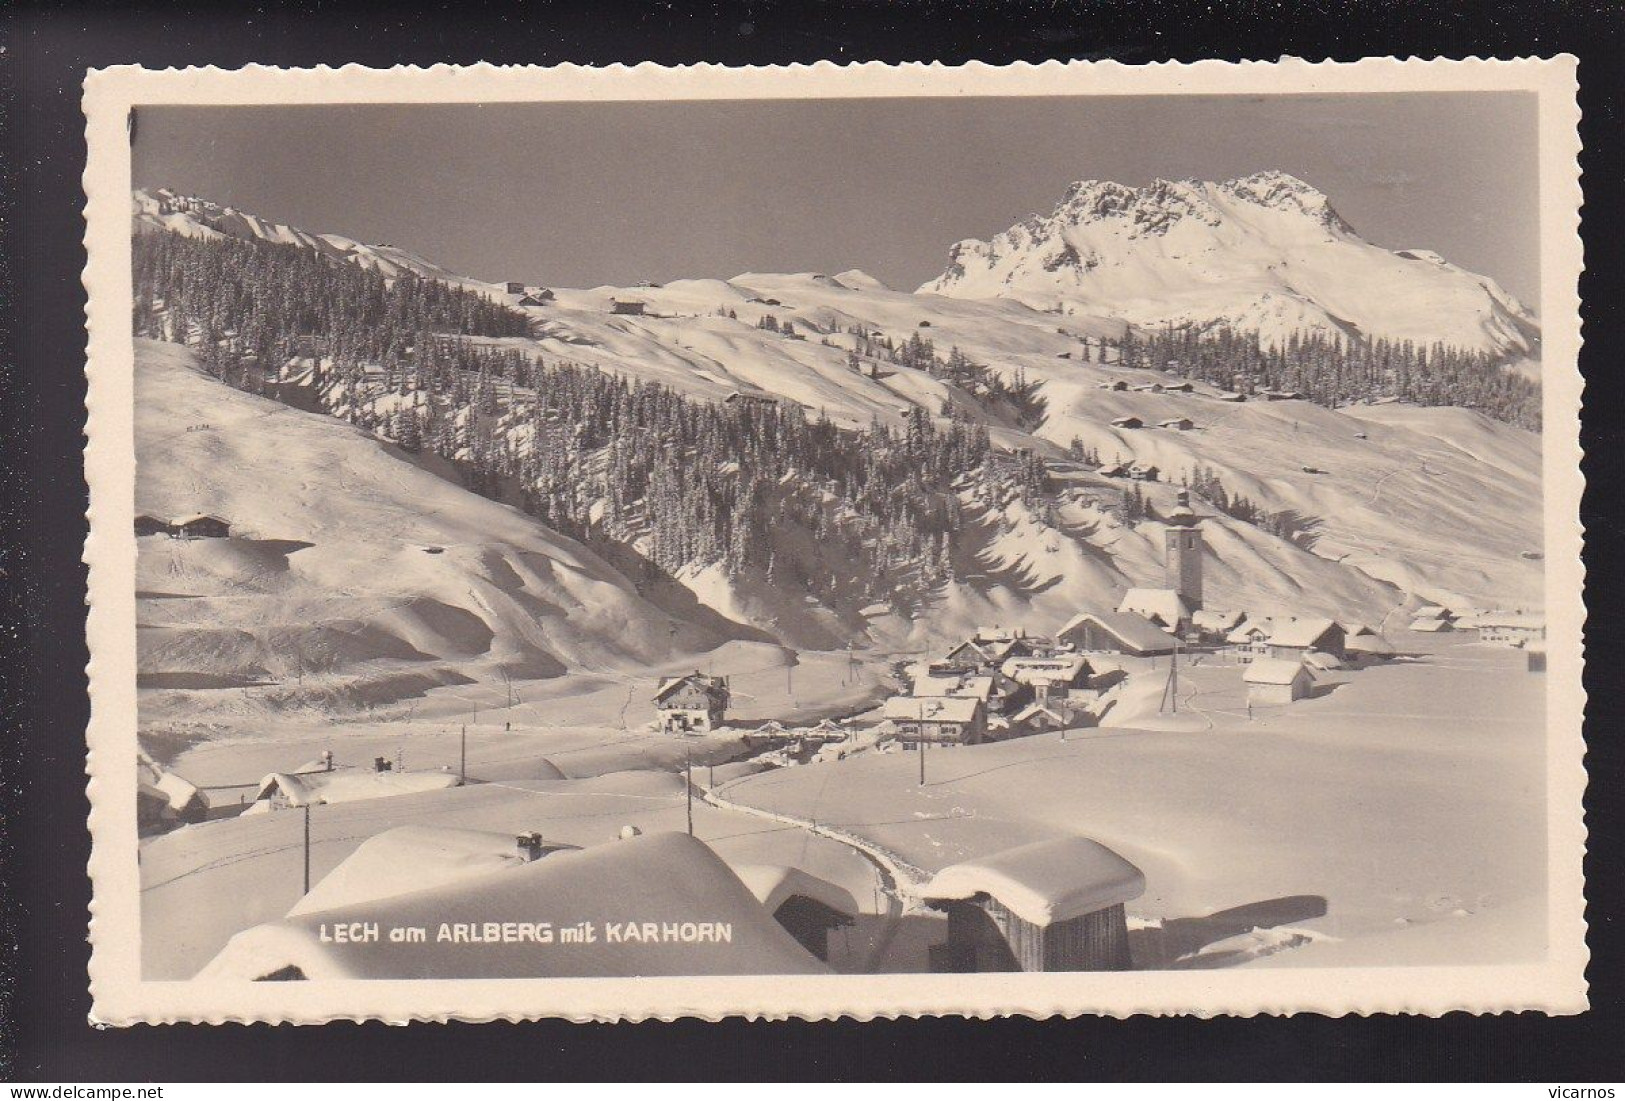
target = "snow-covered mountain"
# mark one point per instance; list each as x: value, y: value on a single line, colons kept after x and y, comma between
x: 1406, y: 503
x: 1266, y: 252
x: 190, y: 216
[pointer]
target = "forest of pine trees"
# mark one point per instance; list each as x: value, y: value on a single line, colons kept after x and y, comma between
x: 1018, y: 399
x: 1333, y: 372
x: 595, y: 455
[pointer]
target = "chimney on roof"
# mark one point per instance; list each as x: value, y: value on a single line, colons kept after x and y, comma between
x: 530, y: 844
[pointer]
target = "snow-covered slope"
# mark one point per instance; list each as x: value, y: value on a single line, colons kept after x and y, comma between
x: 1266, y: 252
x: 352, y: 576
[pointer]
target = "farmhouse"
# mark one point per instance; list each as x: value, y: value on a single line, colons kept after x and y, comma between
x: 1118, y: 633
x: 1276, y: 680
x: 807, y: 907
x: 199, y: 525
x: 624, y: 306
x: 1047, y: 906
x: 1164, y: 607
x: 1293, y: 639
x: 1055, y: 678
x: 1041, y: 715
x: 661, y: 904
x: 1127, y: 422
x: 1144, y: 472
x: 1511, y: 628
x: 165, y: 799
x: 691, y: 704
x: 1178, y: 424
x: 540, y: 296
x: 942, y: 720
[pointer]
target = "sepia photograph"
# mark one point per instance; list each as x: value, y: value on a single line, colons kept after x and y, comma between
x: 846, y: 536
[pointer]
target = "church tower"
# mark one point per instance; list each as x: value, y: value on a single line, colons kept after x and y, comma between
x: 1182, y: 552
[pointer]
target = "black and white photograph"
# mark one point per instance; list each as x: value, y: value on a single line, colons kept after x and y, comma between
x: 1089, y: 538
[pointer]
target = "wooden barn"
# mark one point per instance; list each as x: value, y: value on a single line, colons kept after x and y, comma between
x: 1048, y: 906
x: 1116, y: 633
x: 691, y: 704
x: 807, y: 907
x: 1127, y: 422
x: 199, y: 525
x: 150, y: 525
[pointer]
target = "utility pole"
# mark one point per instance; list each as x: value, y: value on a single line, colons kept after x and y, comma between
x: 688, y: 787
x: 921, y: 739
x: 307, y: 848
x: 462, y: 756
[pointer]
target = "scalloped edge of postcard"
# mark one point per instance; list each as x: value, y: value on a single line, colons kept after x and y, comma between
x: 119, y: 995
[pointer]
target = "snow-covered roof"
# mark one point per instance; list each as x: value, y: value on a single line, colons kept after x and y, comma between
x: 1248, y: 628
x: 1274, y: 671
x: 1134, y: 632
x: 414, y: 858
x: 1430, y: 624
x: 1174, y: 422
x: 1511, y: 619
x: 1301, y: 632
x: 657, y: 883
x: 946, y: 709
x: 1433, y: 611
x: 194, y: 517
x: 700, y: 680
x: 1211, y: 620
x: 1061, y: 667
x: 1044, y: 882
x: 1127, y: 422
x: 1165, y: 604
x: 351, y: 785
x: 1368, y: 644
x: 1059, y: 714
x: 775, y: 884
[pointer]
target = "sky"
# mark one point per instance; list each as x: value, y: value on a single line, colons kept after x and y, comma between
x: 585, y: 194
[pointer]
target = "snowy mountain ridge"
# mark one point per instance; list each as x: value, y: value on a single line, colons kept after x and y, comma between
x: 1266, y: 252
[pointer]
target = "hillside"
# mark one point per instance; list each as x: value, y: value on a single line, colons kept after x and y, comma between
x: 1367, y: 485
x: 1264, y: 253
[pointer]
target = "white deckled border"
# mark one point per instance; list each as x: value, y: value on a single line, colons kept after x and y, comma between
x: 121, y: 997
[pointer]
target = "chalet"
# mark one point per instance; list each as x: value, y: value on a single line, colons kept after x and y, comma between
x: 1114, y: 470
x: 150, y: 525
x: 1117, y: 384
x: 199, y: 526
x: 1163, y: 607
x: 1293, y: 639
x: 1144, y: 472
x: 541, y: 296
x: 940, y: 720
x: 623, y: 306
x: 1511, y: 628
x: 1178, y: 424
x: 1183, y: 386
x: 1273, y: 681
x: 1251, y: 640
x: 1047, y: 906
x: 987, y: 649
x: 1127, y: 422
x: 1367, y: 645
x: 1117, y: 633
x: 1149, y: 388
x: 1227, y: 396
x: 1280, y: 395
x: 691, y: 704
x: 808, y: 907
x: 515, y: 288
x: 1432, y: 625
x: 165, y: 799
x: 1059, y: 678
x: 1434, y: 611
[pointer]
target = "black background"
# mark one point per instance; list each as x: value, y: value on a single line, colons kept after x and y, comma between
x: 44, y: 845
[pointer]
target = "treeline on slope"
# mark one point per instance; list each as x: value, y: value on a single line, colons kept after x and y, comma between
x: 1332, y: 371
x: 755, y: 488
x: 1016, y: 397
x: 254, y: 302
